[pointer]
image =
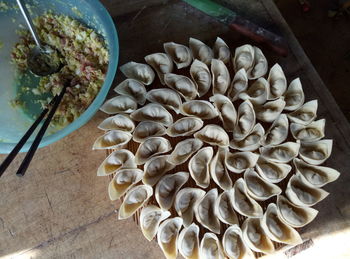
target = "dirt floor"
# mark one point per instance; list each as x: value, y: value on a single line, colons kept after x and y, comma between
x: 327, y: 43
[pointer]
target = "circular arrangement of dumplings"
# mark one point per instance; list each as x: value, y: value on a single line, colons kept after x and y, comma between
x: 216, y: 153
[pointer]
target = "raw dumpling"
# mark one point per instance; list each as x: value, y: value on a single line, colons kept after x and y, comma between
x: 227, y: 111
x: 308, y: 133
x: 114, y: 139
x: 189, y: 242
x: 150, y: 218
x: 245, y: 120
x: 201, y: 76
x: 257, y: 93
x: 119, y: 159
x: 205, y: 211
x: 238, y: 162
x: 199, y: 166
x: 161, y: 63
x: 199, y: 108
x: 182, y: 84
x: 123, y: 180
x: 183, y: 150
x: 140, y: 72
x: 155, y: 168
x: 146, y: 129
x: 250, y: 142
x: 185, y: 202
x: 272, y: 172
x: 151, y: 147
x: 118, y: 122
x: 233, y: 244
x: 242, y: 203
x: 278, y: 131
x: 292, y: 215
x: 260, y: 65
x: 315, y: 153
x: 167, y: 236
x: 244, y: 58
x: 282, y: 153
x: 305, y: 114
x: 167, y: 187
x: 269, y: 111
x: 224, y: 208
x: 277, y: 81
x: 166, y: 97
x: 134, y: 199
x: 119, y: 104
x: 201, y: 51
x: 213, y: 135
x: 221, y: 50
x: 211, y: 247
x: 294, y: 97
x: 132, y: 88
x: 153, y: 112
x: 181, y: 54
x: 185, y: 126
x: 239, y: 84
x: 220, y: 76
x: 218, y: 170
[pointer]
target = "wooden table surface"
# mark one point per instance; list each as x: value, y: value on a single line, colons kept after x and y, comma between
x: 61, y: 209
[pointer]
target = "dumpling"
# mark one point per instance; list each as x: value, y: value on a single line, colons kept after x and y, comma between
x: 182, y: 84
x: 132, y: 88
x: 201, y: 76
x: 205, y: 211
x: 140, y: 72
x: 302, y: 194
x: 119, y: 159
x: 278, y: 131
x: 153, y: 112
x: 294, y: 97
x: 161, y: 63
x: 201, y: 51
x: 305, y: 114
x: 199, y: 166
x: 188, y: 242
x: 150, y: 218
x: 185, y: 202
x: 155, y: 168
x: 242, y: 203
x: 238, y: 162
x: 260, y: 65
x: 277, y: 81
x: 181, y: 54
x: 167, y: 187
x: 167, y: 236
x: 269, y: 111
x: 200, y: 109
x: 282, y: 153
x: 255, y: 236
x: 257, y: 93
x: 218, y: 170
x: 258, y: 188
x: 183, y: 150
x: 315, y: 153
x: 123, y: 180
x: 146, y: 129
x: 117, y: 122
x: 211, y: 247
x: 245, y: 120
x: 308, y: 133
x: 250, y: 142
x: 114, y: 139
x: 277, y: 230
x: 239, y: 84
x: 227, y: 111
x: 119, y: 104
x: 134, y: 199
x: 185, y: 126
x: 292, y: 215
x: 318, y: 176
x: 151, y: 147
x: 213, y: 135
x: 233, y: 244
x: 244, y: 58
x: 166, y: 97
x: 224, y: 208
x: 271, y: 171
x: 220, y: 76
x: 221, y: 50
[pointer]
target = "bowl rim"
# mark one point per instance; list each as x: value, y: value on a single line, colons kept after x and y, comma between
x: 6, y: 148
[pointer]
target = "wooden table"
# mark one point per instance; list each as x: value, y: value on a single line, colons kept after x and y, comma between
x: 60, y: 209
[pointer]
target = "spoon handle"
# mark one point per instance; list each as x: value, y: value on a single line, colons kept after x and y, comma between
x: 29, y: 156
x: 26, y: 15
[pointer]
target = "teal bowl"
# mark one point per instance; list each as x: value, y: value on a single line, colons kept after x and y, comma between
x: 13, y: 121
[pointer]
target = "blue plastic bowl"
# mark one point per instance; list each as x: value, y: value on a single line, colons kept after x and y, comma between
x: 13, y: 121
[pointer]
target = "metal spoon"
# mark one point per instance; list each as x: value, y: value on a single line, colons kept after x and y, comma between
x: 42, y: 60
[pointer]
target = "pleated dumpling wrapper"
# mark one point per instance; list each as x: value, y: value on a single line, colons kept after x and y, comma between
x: 220, y: 76
x: 183, y: 150
x: 185, y: 126
x: 294, y: 97
x: 155, y: 168
x: 153, y: 112
x: 221, y: 50
x: 271, y: 171
x: 132, y: 88
x: 211, y: 247
x: 123, y: 180
x: 239, y: 84
x: 114, y: 139
x: 117, y: 160
x: 269, y: 111
x: 200, y: 109
x: 119, y: 104
x: 224, y: 208
x: 118, y: 122
x: 315, y: 153
x: 238, y: 162
x: 140, y: 72
x: 227, y: 111
x: 282, y: 153
x: 201, y: 76
x: 218, y: 170
x: 180, y: 54
x: 277, y: 81
x: 199, y: 166
x: 182, y: 84
x: 167, y: 236
x: 308, y: 133
x: 134, y: 199
x: 152, y: 146
x: 257, y: 93
x: 213, y: 135
x: 147, y: 129
x: 304, y: 114
x: 278, y: 131
x: 166, y: 97
x: 201, y: 51
x: 161, y: 63
x: 150, y: 218
x: 251, y: 142
x: 188, y: 242
x: 245, y: 120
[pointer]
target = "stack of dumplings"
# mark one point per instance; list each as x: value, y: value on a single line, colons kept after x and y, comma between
x: 217, y: 154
